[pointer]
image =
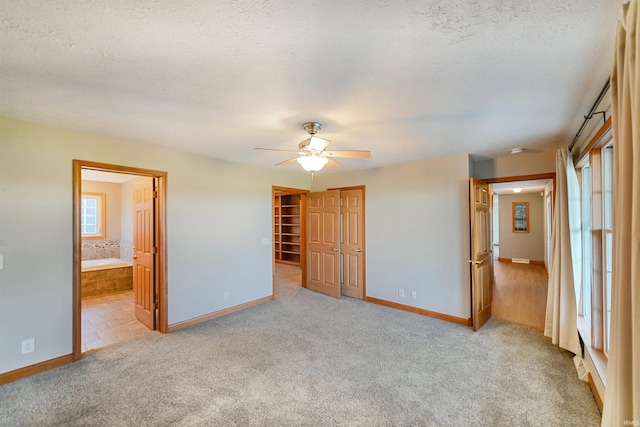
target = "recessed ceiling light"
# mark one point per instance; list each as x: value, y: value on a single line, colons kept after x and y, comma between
x: 518, y: 189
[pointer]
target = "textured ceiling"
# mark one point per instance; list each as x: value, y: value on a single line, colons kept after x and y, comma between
x: 406, y: 79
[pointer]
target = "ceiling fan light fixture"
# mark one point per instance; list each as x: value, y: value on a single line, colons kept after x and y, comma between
x: 518, y: 189
x: 317, y: 144
x: 312, y: 163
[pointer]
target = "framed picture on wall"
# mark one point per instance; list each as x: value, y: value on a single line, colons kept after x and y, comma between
x: 520, y: 213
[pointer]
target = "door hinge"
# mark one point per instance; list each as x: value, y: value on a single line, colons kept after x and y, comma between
x: 155, y: 304
x: 155, y: 194
x: 155, y: 249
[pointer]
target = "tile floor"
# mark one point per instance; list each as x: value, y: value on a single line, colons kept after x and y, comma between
x: 110, y: 319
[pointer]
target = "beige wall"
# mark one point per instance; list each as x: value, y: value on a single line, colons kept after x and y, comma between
x: 522, y: 245
x: 217, y: 214
x: 516, y: 165
x: 417, y: 231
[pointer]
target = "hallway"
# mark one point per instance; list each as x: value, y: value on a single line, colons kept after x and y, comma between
x: 520, y: 293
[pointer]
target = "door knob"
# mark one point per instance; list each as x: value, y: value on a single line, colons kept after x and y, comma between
x: 335, y: 249
x: 475, y: 262
x: 357, y: 250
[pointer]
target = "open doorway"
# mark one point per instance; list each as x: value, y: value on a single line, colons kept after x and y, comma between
x: 304, y: 260
x: 522, y: 215
x: 128, y: 297
x: 108, y: 299
x: 289, y: 238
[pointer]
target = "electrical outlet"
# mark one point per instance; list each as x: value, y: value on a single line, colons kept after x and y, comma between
x: 401, y: 292
x: 414, y: 294
x: 28, y: 346
x: 226, y: 296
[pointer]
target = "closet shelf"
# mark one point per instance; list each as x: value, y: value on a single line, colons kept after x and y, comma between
x: 286, y: 220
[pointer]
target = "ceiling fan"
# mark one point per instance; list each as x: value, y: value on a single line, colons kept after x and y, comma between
x: 313, y: 154
x: 520, y: 150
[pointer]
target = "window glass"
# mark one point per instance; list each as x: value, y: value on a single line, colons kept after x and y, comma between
x: 587, y: 267
x: 91, y: 215
x: 607, y: 219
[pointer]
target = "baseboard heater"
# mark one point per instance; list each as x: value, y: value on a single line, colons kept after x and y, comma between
x: 520, y: 260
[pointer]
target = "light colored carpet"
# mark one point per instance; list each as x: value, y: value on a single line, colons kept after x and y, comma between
x: 308, y: 359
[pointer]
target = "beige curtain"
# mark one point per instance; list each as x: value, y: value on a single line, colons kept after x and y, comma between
x: 562, y: 311
x: 622, y: 392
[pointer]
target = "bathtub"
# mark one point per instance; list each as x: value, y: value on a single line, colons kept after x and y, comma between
x: 103, y: 264
x: 106, y: 276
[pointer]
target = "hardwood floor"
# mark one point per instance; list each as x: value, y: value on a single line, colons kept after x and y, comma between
x: 520, y: 293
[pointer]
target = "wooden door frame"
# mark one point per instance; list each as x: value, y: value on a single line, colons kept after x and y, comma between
x: 303, y: 232
x: 364, y: 234
x: 534, y: 177
x: 161, y: 239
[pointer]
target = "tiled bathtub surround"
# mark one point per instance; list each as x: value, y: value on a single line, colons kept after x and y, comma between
x: 126, y: 250
x: 99, y: 249
x: 107, y: 281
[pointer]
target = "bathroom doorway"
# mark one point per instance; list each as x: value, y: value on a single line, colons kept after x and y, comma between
x: 108, y: 309
x: 109, y: 300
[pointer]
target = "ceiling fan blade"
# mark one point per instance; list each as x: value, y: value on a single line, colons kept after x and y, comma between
x: 332, y: 164
x: 275, y: 149
x: 350, y: 154
x: 286, y: 162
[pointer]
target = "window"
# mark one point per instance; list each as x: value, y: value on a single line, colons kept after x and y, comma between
x: 520, y: 220
x: 595, y: 167
x: 587, y: 266
x: 92, y: 216
x: 607, y: 238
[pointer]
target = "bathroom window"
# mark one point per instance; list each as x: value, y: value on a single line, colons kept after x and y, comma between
x: 92, y: 216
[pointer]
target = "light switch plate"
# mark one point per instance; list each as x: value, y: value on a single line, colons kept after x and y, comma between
x: 265, y: 242
x: 1, y: 262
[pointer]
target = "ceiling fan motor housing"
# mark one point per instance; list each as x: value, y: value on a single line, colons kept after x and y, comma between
x: 312, y: 127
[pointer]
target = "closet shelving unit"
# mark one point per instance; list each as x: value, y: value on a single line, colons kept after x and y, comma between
x: 286, y: 234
